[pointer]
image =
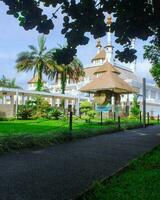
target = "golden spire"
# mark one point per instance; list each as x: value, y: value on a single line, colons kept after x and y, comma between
x: 109, y: 21
x: 99, y: 46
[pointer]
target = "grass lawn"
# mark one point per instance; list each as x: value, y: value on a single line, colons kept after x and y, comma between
x: 58, y: 127
x: 19, y: 134
x: 140, y: 182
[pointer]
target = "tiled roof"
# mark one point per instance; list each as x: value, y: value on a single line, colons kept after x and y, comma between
x: 108, y: 81
x: 35, y: 79
x: 106, y: 67
x: 124, y: 73
x: 100, y: 55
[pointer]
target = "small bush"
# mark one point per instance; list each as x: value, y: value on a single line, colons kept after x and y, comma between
x: 91, y: 114
x: 152, y: 118
x: 34, y: 109
x: 87, y: 111
x: 24, y: 112
x: 7, y: 119
x: 85, y: 107
x: 132, y: 117
x: 135, y: 109
x: 54, y: 113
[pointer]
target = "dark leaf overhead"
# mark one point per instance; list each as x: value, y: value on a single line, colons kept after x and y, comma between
x: 132, y: 19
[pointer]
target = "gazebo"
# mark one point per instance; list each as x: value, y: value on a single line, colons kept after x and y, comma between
x: 108, y: 86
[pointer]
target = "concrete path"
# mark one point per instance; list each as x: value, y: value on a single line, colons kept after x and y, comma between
x: 62, y: 171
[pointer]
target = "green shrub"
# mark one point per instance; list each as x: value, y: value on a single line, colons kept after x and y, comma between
x: 86, y: 118
x: 7, y: 119
x: 132, y: 117
x: 91, y: 114
x: 36, y: 108
x: 85, y: 106
x: 24, y: 112
x: 135, y: 109
x: 152, y: 118
x: 41, y: 107
x: 86, y: 109
x: 54, y: 113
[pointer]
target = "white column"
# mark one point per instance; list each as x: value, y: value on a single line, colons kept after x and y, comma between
x: 16, y: 102
x: 113, y: 103
x: 58, y: 102
x: 128, y: 105
x: 66, y: 103
x: 52, y: 101
x: 144, y: 102
x: 73, y: 103
x: 23, y: 100
x: 77, y: 106
x: 4, y: 99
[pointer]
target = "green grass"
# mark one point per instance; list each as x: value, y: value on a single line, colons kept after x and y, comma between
x: 20, y: 134
x: 141, y: 181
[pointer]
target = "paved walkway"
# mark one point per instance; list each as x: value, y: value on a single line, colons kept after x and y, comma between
x: 62, y: 171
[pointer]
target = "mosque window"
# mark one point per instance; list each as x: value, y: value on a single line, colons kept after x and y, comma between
x: 98, y: 61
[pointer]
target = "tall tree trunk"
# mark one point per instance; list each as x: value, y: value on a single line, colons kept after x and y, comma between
x: 63, y: 82
x: 39, y: 82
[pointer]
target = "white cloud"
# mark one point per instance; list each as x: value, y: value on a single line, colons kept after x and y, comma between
x: 143, y: 69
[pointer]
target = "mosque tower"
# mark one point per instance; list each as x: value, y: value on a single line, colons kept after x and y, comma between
x: 109, y: 47
x: 133, y: 64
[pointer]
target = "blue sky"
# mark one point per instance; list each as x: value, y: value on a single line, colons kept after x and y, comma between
x: 14, y: 39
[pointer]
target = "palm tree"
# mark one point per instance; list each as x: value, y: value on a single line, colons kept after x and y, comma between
x: 39, y: 60
x: 4, y: 81
x: 12, y: 84
x: 72, y: 71
x: 8, y: 83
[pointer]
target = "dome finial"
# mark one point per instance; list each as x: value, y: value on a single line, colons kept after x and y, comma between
x: 99, y: 46
x: 109, y: 20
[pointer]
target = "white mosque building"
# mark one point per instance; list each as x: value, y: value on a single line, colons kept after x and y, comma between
x: 129, y: 74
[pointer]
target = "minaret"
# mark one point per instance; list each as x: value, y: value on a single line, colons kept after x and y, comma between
x: 109, y: 47
x: 99, y: 46
x: 133, y: 64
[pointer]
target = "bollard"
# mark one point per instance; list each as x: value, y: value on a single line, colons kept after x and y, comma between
x: 101, y: 117
x: 70, y: 121
x: 148, y: 118
x: 119, y: 123
x: 114, y: 115
x: 140, y: 116
x: 158, y: 119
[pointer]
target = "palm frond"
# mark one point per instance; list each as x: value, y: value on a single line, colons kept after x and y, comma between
x: 34, y: 49
x: 41, y: 44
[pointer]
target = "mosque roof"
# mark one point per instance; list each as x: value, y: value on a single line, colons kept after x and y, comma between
x: 106, y: 67
x: 108, y: 81
x: 35, y: 79
x: 100, y: 55
x: 124, y: 73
